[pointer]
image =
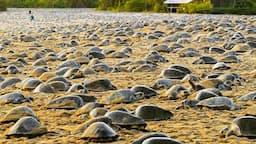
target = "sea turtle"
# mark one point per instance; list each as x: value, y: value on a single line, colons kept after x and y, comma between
x: 155, y: 56
x: 152, y: 113
x: 164, y: 83
x: 221, y: 66
x: 44, y: 88
x: 218, y: 103
x: 11, y: 69
x: 247, y: 97
x: 99, y: 132
x: 205, y: 60
x: 215, y: 83
x: 231, y: 79
x: 82, y: 127
x: 46, y: 75
x: 126, y: 120
x: 242, y: 127
x: 94, y: 61
x: 15, y: 98
x: 99, y: 85
x: 73, y: 73
x: 144, y: 68
x: 118, y: 55
x: 62, y: 71
x: 38, y: 71
x: 66, y: 102
x: 102, y: 67
x: 147, y: 91
x: 59, y: 78
x: 88, y: 107
x: 9, y: 82
x: 241, y: 48
x: 58, y: 85
x: 88, y: 71
x: 39, y: 62
x: 146, y: 136
x: 205, y: 94
x: 79, y: 88
x: 30, y: 84
x: 95, y: 54
x: 162, y: 48
x: 177, y: 91
x: 230, y: 59
x: 123, y: 96
x: 96, y: 112
x: 26, y: 127
x: 16, y: 113
x: 181, y: 68
x: 160, y: 140
x: 70, y: 63
x: 173, y: 73
x: 216, y: 50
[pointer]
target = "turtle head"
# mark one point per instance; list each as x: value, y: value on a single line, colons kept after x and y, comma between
x: 225, y: 132
x: 184, y: 94
x: 139, y: 95
x: 233, y: 129
x: 224, y: 87
x: 158, y: 86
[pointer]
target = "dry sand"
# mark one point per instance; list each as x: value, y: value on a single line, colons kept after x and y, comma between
x: 195, y: 126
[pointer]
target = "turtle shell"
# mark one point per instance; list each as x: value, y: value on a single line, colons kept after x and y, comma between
x: 121, y: 96
x: 99, y: 85
x: 58, y: 85
x: 126, y: 120
x: 46, y: 76
x: 160, y: 140
x: 100, y: 132
x: 66, y: 102
x: 218, y: 103
x: 26, y: 127
x: 152, y: 113
x: 9, y: 82
x: 147, y: 91
x: 88, y: 107
x: 205, y: 60
x: 44, y: 88
x: 37, y: 72
x: 249, y: 96
x: 146, y: 136
x: 17, y: 113
x: 82, y: 127
x: 173, y: 73
x: 30, y: 84
x: 96, y: 112
x: 205, y: 94
x: 15, y: 98
x: 70, y: 63
x: 78, y: 88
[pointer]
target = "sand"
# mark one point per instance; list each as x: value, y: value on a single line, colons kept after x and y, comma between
x: 192, y: 126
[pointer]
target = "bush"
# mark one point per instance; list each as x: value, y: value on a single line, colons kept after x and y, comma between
x: 134, y: 6
x: 196, y: 7
x: 243, y: 11
x: 2, y: 5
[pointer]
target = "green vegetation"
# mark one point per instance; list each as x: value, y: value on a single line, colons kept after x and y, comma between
x: 204, y: 6
x: 247, y: 7
x: 197, y: 6
x: 2, y: 5
x: 132, y: 5
x: 51, y: 3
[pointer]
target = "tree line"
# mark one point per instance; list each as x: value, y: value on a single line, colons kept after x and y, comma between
x: 51, y: 3
x: 197, y: 6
